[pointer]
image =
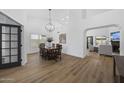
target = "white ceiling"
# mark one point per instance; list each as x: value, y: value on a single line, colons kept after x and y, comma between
x: 61, y: 15
x: 93, y: 12
x: 58, y: 15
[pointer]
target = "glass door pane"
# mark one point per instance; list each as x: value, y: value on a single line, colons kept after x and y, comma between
x: 14, y: 30
x: 5, y: 45
x: 14, y: 59
x: 5, y: 37
x: 14, y: 45
x: 5, y: 60
x: 14, y: 51
x: 5, y: 29
x: 5, y: 52
x: 14, y: 37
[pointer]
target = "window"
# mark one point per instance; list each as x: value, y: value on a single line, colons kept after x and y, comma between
x: 34, y: 36
x: 101, y: 40
x: 36, y: 39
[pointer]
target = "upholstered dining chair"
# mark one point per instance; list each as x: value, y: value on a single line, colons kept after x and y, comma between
x: 52, y: 53
x: 59, y: 47
x: 41, y: 47
x: 53, y: 45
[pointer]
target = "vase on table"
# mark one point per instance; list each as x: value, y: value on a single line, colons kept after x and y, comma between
x: 49, y: 40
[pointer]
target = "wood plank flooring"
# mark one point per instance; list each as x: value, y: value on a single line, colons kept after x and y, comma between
x: 91, y: 69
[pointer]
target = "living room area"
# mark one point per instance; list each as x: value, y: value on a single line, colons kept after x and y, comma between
x: 104, y: 40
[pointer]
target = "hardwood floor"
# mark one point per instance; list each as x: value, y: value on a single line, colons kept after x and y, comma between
x: 93, y: 68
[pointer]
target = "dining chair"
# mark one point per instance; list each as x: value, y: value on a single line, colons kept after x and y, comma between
x: 41, y: 47
x: 53, y: 45
x: 59, y: 47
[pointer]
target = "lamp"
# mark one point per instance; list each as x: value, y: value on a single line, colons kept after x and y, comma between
x: 50, y: 27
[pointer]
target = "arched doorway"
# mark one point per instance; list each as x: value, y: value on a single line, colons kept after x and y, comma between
x: 112, y: 28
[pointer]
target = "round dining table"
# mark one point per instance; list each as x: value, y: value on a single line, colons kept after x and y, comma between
x: 51, y: 52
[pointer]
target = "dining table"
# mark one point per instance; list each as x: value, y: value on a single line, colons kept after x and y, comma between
x: 51, y: 52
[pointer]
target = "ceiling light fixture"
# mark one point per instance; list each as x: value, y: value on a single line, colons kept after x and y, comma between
x: 50, y: 27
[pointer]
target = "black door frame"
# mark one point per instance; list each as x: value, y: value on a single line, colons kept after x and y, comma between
x: 91, y: 41
x: 19, y: 46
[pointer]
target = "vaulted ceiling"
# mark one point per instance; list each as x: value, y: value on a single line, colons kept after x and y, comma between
x: 58, y: 15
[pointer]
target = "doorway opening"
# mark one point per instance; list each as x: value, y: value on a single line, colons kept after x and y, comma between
x: 103, y: 39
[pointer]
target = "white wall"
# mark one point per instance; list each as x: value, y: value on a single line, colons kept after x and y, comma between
x: 98, y: 32
x: 75, y: 34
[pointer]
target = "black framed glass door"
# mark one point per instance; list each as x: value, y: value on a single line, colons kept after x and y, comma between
x: 10, y: 45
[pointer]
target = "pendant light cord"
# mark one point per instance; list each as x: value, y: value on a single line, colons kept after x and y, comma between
x: 50, y: 19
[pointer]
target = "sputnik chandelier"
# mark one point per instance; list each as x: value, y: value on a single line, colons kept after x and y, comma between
x: 50, y: 27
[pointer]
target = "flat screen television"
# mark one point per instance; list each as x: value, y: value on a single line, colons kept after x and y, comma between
x: 115, y: 36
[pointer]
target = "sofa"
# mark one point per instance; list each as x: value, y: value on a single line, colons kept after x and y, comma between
x: 105, y: 50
